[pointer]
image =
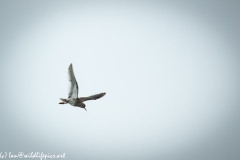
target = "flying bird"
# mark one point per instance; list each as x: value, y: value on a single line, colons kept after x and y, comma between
x: 73, y: 92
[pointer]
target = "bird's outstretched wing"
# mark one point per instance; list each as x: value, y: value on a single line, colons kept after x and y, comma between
x: 73, y: 86
x: 93, y: 97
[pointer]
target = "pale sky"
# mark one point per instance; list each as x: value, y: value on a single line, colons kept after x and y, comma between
x: 170, y: 71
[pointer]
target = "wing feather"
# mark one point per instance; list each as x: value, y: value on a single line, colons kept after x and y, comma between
x: 73, y: 86
x: 93, y: 97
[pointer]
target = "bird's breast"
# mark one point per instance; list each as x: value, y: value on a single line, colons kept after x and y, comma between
x: 73, y: 102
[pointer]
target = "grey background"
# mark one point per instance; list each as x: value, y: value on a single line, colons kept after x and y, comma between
x: 170, y: 70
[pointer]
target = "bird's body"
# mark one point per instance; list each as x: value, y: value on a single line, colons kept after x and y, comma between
x: 73, y: 92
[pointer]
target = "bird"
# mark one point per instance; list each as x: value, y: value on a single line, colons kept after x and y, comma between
x: 73, y: 92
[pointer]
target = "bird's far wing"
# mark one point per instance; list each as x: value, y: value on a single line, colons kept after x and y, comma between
x: 93, y: 97
x: 73, y: 86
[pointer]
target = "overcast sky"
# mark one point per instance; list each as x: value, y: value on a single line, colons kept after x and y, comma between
x: 170, y: 71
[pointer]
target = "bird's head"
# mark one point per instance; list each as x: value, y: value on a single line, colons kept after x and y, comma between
x: 83, y: 106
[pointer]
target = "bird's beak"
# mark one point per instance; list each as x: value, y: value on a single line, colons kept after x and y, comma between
x: 85, y: 109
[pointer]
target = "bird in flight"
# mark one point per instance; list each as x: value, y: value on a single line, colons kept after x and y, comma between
x: 73, y: 92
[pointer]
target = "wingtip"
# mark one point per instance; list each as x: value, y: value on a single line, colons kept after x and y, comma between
x: 70, y: 66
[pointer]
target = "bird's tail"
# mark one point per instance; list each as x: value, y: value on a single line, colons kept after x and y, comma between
x: 64, y: 100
